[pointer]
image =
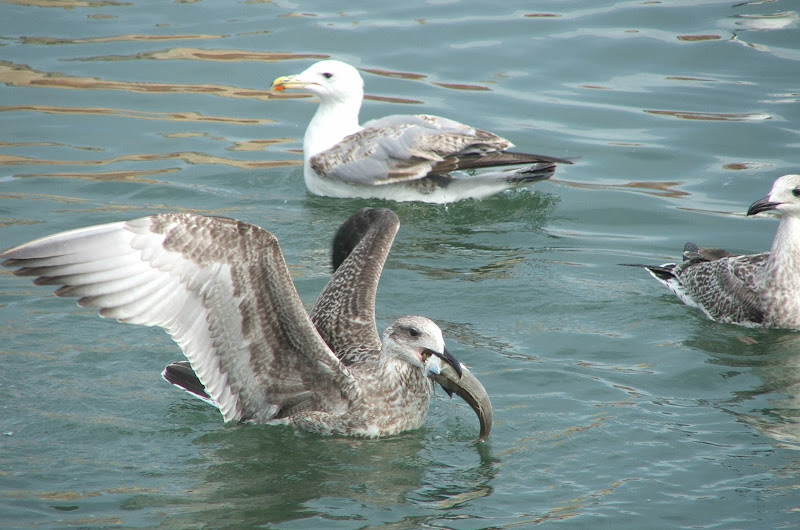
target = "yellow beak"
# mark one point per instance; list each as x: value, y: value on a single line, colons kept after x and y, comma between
x: 287, y: 81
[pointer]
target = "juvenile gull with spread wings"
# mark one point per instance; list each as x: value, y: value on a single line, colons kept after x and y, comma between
x: 222, y: 290
x: 756, y: 290
x: 399, y: 157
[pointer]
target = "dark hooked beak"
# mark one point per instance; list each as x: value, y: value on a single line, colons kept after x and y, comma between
x: 762, y: 205
x: 446, y: 356
x: 456, y: 378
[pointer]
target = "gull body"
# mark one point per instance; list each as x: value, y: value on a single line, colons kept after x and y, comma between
x: 756, y: 290
x: 222, y: 290
x: 400, y: 157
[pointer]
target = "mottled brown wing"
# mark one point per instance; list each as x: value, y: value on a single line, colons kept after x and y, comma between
x: 725, y: 287
x: 344, y: 313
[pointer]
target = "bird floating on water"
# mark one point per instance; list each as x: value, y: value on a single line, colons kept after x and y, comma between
x: 756, y: 290
x: 222, y: 290
x: 399, y: 157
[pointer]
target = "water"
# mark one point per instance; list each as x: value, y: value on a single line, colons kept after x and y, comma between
x: 615, y: 405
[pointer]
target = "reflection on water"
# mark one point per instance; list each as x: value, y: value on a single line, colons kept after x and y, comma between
x: 188, y: 157
x: 397, y: 75
x: 660, y: 189
x: 142, y: 177
x: 773, y: 21
x: 261, y: 474
x: 68, y: 4
x: 199, y: 54
x: 461, y: 86
x: 52, y: 41
x: 698, y: 38
x: 23, y: 76
x: 772, y: 355
x: 710, y: 116
x: 136, y: 114
x: 542, y: 15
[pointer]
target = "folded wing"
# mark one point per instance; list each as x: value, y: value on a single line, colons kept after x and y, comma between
x: 725, y: 288
x: 401, y: 148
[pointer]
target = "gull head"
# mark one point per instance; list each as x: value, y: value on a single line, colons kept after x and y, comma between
x: 783, y: 197
x: 330, y: 80
x: 419, y: 342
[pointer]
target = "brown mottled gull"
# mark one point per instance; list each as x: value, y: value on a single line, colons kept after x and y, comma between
x: 222, y: 290
x: 399, y: 157
x: 756, y: 290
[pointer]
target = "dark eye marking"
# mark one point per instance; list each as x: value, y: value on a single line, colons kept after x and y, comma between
x: 413, y: 332
x: 796, y: 192
x: 327, y: 75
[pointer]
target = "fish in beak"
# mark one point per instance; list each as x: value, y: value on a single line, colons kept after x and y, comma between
x: 435, y: 365
x: 455, y: 378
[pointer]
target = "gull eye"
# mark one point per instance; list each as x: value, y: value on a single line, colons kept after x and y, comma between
x: 796, y: 192
x: 413, y: 332
x: 327, y: 75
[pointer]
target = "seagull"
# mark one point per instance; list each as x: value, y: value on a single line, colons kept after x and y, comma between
x: 754, y: 290
x: 399, y: 157
x: 222, y: 290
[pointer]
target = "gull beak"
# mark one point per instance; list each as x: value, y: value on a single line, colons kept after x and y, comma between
x: 287, y: 81
x: 454, y: 377
x: 433, y: 360
x: 762, y: 205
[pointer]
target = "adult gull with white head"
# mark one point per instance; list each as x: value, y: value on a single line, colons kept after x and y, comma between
x: 400, y: 157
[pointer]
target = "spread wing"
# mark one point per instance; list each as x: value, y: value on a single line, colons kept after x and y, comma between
x: 219, y: 287
x: 404, y: 147
x: 345, y: 311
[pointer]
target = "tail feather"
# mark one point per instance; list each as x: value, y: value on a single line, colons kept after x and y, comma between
x: 180, y: 374
x: 467, y: 161
x: 530, y: 158
x: 662, y: 273
x: 536, y: 172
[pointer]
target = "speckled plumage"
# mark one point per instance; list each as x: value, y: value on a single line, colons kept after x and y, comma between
x: 399, y: 157
x: 344, y: 313
x: 222, y: 290
x: 757, y: 290
x: 724, y: 289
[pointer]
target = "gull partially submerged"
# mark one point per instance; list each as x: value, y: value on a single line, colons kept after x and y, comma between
x: 399, y: 157
x: 222, y: 290
x: 756, y: 290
